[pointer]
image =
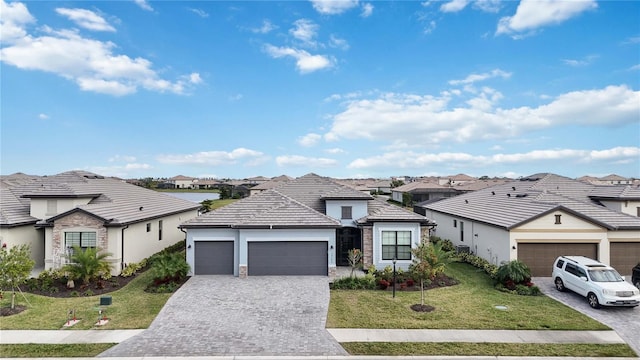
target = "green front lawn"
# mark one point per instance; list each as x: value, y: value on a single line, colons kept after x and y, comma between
x: 131, y: 308
x: 468, y: 305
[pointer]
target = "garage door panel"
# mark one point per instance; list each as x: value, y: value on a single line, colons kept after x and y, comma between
x: 624, y: 256
x: 214, y: 258
x: 287, y: 258
x: 540, y: 256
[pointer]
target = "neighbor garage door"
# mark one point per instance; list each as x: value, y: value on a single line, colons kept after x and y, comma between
x: 213, y: 257
x: 624, y: 256
x: 288, y: 258
x: 540, y: 256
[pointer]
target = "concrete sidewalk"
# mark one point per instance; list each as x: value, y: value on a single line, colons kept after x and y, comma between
x: 341, y: 335
x: 479, y: 336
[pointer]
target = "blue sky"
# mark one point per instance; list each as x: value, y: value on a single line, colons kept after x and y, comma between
x: 340, y: 88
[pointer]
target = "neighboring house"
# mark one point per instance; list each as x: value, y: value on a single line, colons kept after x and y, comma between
x: 422, y: 191
x: 205, y: 184
x: 54, y: 213
x: 305, y: 226
x: 456, y: 180
x: 537, y: 218
x: 181, y: 182
x: 277, y: 181
x: 612, y: 179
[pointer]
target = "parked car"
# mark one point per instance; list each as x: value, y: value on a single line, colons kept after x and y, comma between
x: 599, y: 283
x: 635, y: 276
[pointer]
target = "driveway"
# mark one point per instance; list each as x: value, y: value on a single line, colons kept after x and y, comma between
x: 625, y: 321
x: 225, y: 315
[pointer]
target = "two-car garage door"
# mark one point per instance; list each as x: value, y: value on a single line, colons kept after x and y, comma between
x: 540, y: 256
x: 287, y: 258
x: 264, y: 258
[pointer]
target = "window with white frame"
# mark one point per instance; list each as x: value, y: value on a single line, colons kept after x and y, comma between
x: 79, y: 238
x: 396, y: 245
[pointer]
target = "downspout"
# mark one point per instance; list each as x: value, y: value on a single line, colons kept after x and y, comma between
x: 122, y: 264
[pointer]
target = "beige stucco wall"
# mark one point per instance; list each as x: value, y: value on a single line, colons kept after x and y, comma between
x: 27, y: 234
x: 39, y: 207
x: 627, y: 207
x: 571, y: 229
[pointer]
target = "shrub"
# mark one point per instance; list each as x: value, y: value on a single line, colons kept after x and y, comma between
x: 383, y: 284
x: 447, y: 245
x: 87, y: 264
x: 410, y: 282
x: 355, y: 283
x: 74, y: 293
x: 480, y: 263
x: 514, y: 270
x: 169, y: 267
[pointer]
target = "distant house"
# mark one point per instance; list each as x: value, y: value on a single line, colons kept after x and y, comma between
x: 422, y: 191
x: 305, y: 226
x: 54, y: 213
x: 458, y: 179
x: 275, y: 182
x: 542, y: 216
x: 181, y: 181
x: 612, y: 179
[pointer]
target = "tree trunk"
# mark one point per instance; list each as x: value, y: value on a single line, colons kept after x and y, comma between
x: 421, y: 292
x: 13, y: 299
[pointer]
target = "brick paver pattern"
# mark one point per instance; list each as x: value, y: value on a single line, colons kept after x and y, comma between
x: 225, y: 315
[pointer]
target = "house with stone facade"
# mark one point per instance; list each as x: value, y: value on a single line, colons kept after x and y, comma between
x: 54, y: 213
x: 305, y: 226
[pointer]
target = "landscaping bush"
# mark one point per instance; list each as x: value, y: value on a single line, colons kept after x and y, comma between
x: 482, y: 264
x: 169, y: 267
x: 515, y: 271
x: 355, y: 283
x: 447, y: 245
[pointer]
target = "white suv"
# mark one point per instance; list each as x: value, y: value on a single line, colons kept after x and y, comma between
x: 600, y: 283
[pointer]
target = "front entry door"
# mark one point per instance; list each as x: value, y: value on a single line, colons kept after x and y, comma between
x: 347, y: 238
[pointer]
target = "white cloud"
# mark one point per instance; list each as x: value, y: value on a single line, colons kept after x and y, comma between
x: 428, y: 29
x: 309, y: 140
x: 533, y: 14
x: 235, y: 97
x: 481, y: 77
x: 409, y: 160
x: 305, y: 30
x: 15, y: 16
x: 43, y: 116
x: 244, y: 156
x: 338, y: 43
x: 121, y: 171
x: 143, y: 4
x: 492, y: 6
x: 367, y: 10
x: 125, y: 158
x: 454, y: 5
x: 86, y: 19
x: 404, y: 119
x: 303, y: 161
x: 635, y: 67
x: 266, y: 27
x: 587, y: 60
x: 90, y: 63
x: 199, y: 12
x: 335, y: 151
x: 305, y: 62
x: 333, y: 7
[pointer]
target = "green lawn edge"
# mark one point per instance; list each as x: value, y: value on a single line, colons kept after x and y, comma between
x: 52, y: 350
x: 487, y: 349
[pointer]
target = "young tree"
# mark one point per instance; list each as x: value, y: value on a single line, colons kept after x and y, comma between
x: 15, y: 268
x: 87, y: 264
x: 354, y: 257
x: 429, y: 260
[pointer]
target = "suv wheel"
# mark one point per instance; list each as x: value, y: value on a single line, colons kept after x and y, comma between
x: 559, y: 284
x: 593, y: 300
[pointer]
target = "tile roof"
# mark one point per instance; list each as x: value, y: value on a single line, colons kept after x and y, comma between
x: 298, y: 203
x: 618, y: 192
x: 114, y: 200
x: 517, y: 202
x: 420, y: 185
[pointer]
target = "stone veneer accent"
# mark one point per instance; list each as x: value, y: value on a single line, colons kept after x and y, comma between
x: 367, y: 246
x: 242, y: 271
x: 333, y: 272
x: 79, y: 221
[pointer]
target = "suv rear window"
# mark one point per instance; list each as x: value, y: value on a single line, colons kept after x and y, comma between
x: 559, y: 264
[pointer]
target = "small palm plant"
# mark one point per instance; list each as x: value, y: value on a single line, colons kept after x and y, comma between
x: 512, y: 273
x: 87, y: 264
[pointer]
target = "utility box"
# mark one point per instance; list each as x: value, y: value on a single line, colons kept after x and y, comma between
x: 105, y: 300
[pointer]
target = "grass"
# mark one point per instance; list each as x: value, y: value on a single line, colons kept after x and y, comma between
x: 52, y: 350
x: 220, y: 203
x: 131, y: 308
x: 489, y: 349
x: 468, y: 305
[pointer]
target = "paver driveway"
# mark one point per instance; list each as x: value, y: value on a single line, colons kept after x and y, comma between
x: 625, y: 321
x: 225, y: 315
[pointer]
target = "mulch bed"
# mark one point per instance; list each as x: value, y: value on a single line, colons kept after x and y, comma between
x: 59, y: 289
x: 441, y: 280
x: 7, y: 311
